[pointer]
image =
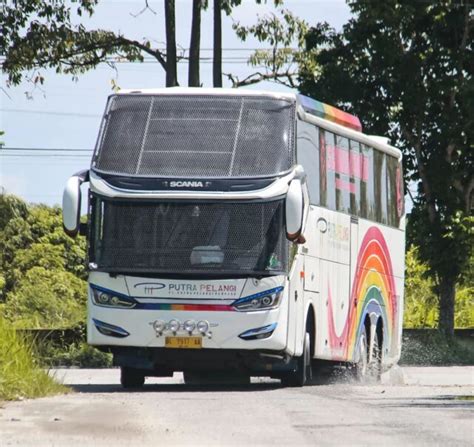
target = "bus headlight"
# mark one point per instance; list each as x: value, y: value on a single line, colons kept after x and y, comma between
x: 261, y: 301
x: 109, y: 299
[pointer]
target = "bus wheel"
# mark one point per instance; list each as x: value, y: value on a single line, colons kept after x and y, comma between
x: 303, y: 372
x: 131, y: 377
x: 361, y: 366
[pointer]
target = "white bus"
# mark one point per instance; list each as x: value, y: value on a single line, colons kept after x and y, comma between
x: 240, y: 232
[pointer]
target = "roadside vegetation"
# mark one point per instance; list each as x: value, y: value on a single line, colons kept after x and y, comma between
x: 20, y: 373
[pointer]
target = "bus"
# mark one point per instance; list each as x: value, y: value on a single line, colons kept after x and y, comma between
x: 240, y: 232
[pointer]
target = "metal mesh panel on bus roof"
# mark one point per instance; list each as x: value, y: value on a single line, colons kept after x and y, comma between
x: 190, y: 237
x: 196, y: 136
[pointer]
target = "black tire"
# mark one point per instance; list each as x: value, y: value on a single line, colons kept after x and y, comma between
x: 303, y: 372
x: 131, y: 378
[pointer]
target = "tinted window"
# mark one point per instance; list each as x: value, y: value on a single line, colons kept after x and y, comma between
x: 328, y: 169
x: 380, y: 171
x: 343, y: 185
x: 367, y: 185
x: 196, y: 136
x: 356, y: 169
x: 308, y: 156
x: 392, y: 203
x: 400, y: 191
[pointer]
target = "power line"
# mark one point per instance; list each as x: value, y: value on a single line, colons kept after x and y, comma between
x: 44, y: 149
x: 44, y: 156
x: 79, y: 115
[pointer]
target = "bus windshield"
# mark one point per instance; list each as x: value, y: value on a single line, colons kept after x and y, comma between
x: 196, y: 136
x: 238, y: 238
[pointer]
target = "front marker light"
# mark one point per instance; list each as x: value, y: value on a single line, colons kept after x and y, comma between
x: 174, y: 325
x: 159, y: 326
x: 203, y: 327
x: 189, y: 325
x: 260, y: 301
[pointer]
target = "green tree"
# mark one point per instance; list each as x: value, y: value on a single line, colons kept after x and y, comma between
x: 42, y: 273
x: 421, y: 304
x: 39, y: 34
x: 406, y: 69
x: 46, y: 298
x: 285, y: 33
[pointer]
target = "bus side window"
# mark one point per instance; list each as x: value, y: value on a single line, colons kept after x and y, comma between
x: 343, y: 184
x: 307, y: 155
x: 367, y: 187
x: 328, y: 168
x: 356, y: 171
x: 380, y: 166
x: 392, y: 191
x: 400, y: 191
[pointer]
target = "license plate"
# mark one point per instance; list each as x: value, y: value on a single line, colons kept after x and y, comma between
x: 183, y: 342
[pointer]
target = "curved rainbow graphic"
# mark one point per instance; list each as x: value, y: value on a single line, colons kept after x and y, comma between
x: 373, y: 290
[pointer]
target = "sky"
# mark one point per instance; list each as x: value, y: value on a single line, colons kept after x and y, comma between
x: 66, y: 114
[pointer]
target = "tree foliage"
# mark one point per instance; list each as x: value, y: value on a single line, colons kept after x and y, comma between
x: 406, y: 69
x: 285, y: 33
x: 421, y: 302
x: 39, y: 34
x: 42, y: 273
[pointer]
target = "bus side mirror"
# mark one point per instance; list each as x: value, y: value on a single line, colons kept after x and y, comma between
x: 72, y: 203
x: 295, y: 211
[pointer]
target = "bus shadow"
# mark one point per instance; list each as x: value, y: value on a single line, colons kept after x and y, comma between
x: 174, y: 388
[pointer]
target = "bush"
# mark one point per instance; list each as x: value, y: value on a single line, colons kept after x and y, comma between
x: 20, y: 375
x: 68, y: 348
x: 421, y: 301
x: 47, y: 299
x: 431, y: 347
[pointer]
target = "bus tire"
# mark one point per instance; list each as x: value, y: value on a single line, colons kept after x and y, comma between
x: 131, y: 377
x: 303, y: 372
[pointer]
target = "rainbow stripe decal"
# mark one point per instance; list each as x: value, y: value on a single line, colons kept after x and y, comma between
x: 373, y: 290
x: 329, y: 113
x: 194, y: 307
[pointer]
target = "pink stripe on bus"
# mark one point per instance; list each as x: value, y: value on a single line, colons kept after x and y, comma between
x: 347, y: 163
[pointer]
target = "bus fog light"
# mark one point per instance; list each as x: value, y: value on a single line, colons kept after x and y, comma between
x: 174, y: 325
x: 203, y: 326
x: 159, y: 326
x: 189, y: 325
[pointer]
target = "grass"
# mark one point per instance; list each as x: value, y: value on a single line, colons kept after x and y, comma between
x: 76, y: 354
x: 432, y: 348
x: 20, y: 375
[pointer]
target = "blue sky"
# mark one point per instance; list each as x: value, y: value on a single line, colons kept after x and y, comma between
x: 66, y: 114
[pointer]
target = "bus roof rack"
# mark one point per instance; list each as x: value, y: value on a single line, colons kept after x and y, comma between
x: 328, y: 112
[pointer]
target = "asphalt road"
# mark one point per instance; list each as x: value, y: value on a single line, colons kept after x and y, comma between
x: 433, y: 407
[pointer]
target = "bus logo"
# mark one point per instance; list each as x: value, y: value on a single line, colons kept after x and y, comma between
x: 186, y: 184
x: 150, y: 287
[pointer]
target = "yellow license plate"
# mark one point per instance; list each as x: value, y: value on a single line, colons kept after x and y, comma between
x: 183, y: 342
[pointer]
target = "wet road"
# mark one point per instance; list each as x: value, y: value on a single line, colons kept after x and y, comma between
x: 434, y: 406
